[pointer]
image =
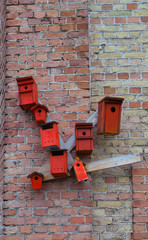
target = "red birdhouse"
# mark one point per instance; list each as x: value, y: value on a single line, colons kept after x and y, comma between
x: 40, y: 112
x: 58, y: 163
x: 109, y: 114
x: 84, y: 138
x: 36, y: 180
x: 50, y: 135
x: 28, y: 96
x: 79, y: 170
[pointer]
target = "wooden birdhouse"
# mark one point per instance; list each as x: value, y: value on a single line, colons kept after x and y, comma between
x: 36, y: 180
x: 79, y: 170
x: 58, y: 163
x: 84, y: 138
x: 28, y: 96
x: 40, y: 112
x: 50, y: 135
x: 109, y: 115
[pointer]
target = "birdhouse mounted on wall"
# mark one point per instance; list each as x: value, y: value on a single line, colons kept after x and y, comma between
x: 109, y: 114
x: 36, y: 180
x: 50, y: 135
x: 84, y: 138
x: 79, y: 170
x: 58, y: 163
x: 28, y: 96
x: 40, y: 112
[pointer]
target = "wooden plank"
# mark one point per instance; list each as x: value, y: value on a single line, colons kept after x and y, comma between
x: 70, y: 144
x: 97, y: 165
x: 112, y: 162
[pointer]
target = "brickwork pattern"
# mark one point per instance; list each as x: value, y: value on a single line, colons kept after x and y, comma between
x: 118, y: 66
x: 48, y: 40
x: 2, y: 107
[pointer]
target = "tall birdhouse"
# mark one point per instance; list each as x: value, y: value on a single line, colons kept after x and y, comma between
x: 40, y: 113
x: 84, y: 138
x: 109, y: 115
x: 28, y: 96
x: 58, y: 163
x: 50, y: 135
x: 36, y: 180
x: 79, y: 170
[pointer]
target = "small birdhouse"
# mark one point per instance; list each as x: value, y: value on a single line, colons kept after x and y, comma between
x: 79, y: 170
x: 109, y: 115
x: 28, y: 96
x: 84, y: 138
x: 40, y: 112
x: 58, y: 163
x: 36, y: 180
x: 50, y: 135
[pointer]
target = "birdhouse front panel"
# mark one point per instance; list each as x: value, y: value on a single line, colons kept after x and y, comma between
x: 40, y: 112
x: 80, y: 171
x: 84, y: 138
x: 109, y: 115
x: 58, y: 163
x: 28, y: 96
x: 112, y: 119
x: 50, y: 135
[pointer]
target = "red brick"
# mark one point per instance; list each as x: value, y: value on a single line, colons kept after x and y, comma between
x: 123, y: 75
x: 139, y: 227
x: 138, y: 179
x: 107, y: 7
x: 69, y: 228
x: 55, y: 228
x: 60, y: 236
x: 61, y: 78
x: 25, y: 229
x: 110, y: 179
x: 120, y: 20
x: 77, y: 219
x: 135, y: 90
x: 134, y: 105
x: 133, y: 19
x: 13, y: 237
x: 131, y: 6
x: 52, y: 14
x: 124, y: 195
x: 68, y: 13
x: 68, y: 27
x: 145, y: 105
x: 139, y: 195
x: 144, y: 19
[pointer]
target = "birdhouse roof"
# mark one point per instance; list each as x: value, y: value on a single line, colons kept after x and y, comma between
x: 112, y: 99
x: 35, y: 173
x: 25, y: 80
x: 39, y: 106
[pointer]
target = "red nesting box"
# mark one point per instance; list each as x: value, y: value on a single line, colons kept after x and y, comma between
x: 40, y: 112
x: 50, y: 135
x: 36, y: 180
x: 28, y: 96
x: 109, y: 114
x: 84, y: 137
x: 79, y: 171
x: 58, y: 163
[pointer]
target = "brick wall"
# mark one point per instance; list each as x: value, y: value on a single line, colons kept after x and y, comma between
x: 50, y: 42
x: 118, y: 67
x: 2, y: 106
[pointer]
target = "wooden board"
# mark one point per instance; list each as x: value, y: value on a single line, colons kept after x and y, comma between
x: 112, y: 162
x: 97, y: 165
